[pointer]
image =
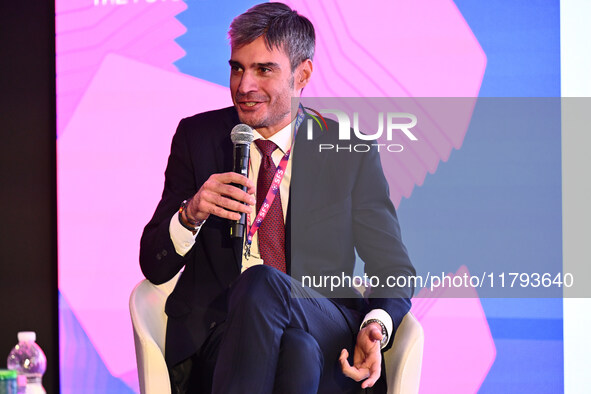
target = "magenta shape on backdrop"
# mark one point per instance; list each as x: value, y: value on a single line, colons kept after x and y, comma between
x: 459, y: 348
x: 111, y: 165
x: 85, y: 34
x: 394, y: 49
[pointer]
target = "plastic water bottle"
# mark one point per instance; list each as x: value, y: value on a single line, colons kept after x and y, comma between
x: 29, y: 361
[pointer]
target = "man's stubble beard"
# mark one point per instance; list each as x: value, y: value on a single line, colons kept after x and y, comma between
x: 273, y: 119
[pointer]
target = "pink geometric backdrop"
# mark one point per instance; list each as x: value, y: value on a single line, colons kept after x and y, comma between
x: 120, y: 98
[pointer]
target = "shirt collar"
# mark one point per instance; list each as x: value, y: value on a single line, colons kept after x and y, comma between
x: 282, y: 138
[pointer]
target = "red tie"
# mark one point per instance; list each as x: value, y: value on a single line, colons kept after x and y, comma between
x: 272, y: 230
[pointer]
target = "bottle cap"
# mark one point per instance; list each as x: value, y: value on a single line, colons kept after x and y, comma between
x: 27, y: 336
x: 8, y: 374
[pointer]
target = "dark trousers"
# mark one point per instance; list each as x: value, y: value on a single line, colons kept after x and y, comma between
x: 277, y: 338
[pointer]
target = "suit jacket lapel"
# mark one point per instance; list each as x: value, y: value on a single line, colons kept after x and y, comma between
x: 308, y: 167
x: 306, y: 172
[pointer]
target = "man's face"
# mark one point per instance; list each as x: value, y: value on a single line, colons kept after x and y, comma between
x: 262, y: 84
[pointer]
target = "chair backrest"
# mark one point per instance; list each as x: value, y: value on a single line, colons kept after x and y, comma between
x: 146, y: 306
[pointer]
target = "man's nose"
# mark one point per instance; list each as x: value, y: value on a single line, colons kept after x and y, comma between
x: 248, y: 83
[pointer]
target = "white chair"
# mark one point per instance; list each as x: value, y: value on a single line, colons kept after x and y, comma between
x: 146, y: 304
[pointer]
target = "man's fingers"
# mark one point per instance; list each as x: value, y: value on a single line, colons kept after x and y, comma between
x: 219, y: 197
x: 222, y: 213
x: 236, y: 194
x: 233, y: 177
x: 367, y: 357
x: 217, y: 188
x: 229, y: 203
x: 343, y: 359
x: 222, y: 207
x: 373, y: 377
x: 375, y: 334
x: 354, y: 373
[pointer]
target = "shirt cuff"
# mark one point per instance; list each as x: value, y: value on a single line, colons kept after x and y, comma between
x: 182, y: 239
x: 382, y: 316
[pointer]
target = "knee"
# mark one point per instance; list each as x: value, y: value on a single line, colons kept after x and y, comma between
x: 299, y: 347
x: 258, y: 273
x: 258, y: 278
x: 257, y: 283
x: 300, y: 363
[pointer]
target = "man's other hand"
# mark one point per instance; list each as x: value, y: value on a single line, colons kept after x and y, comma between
x: 218, y: 197
x: 367, y: 358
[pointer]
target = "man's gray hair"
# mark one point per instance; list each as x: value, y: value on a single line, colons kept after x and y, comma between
x: 281, y: 27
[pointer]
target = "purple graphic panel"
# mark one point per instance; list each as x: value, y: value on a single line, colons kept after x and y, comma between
x: 86, y: 33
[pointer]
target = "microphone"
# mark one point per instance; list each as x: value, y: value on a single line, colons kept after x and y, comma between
x: 242, y: 136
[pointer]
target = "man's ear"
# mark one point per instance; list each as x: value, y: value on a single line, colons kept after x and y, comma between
x: 303, y: 74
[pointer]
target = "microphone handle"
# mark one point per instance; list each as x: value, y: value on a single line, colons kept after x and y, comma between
x: 241, y: 158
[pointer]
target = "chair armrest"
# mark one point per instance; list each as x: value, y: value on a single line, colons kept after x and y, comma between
x: 404, y: 359
x: 146, y: 306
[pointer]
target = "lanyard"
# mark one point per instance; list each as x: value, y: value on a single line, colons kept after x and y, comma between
x: 274, y: 188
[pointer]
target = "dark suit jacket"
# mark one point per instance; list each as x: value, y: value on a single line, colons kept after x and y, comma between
x: 338, y: 203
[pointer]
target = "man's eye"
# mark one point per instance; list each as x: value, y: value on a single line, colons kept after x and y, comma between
x: 236, y: 68
x: 264, y: 70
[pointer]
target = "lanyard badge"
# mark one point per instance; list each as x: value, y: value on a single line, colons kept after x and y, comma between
x: 274, y: 188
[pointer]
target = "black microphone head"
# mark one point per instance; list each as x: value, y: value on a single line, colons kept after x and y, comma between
x: 242, y: 134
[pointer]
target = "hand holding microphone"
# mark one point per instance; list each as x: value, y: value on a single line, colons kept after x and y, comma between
x: 228, y: 195
x: 242, y: 136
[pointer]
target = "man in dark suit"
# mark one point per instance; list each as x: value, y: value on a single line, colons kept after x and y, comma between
x: 243, y: 322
